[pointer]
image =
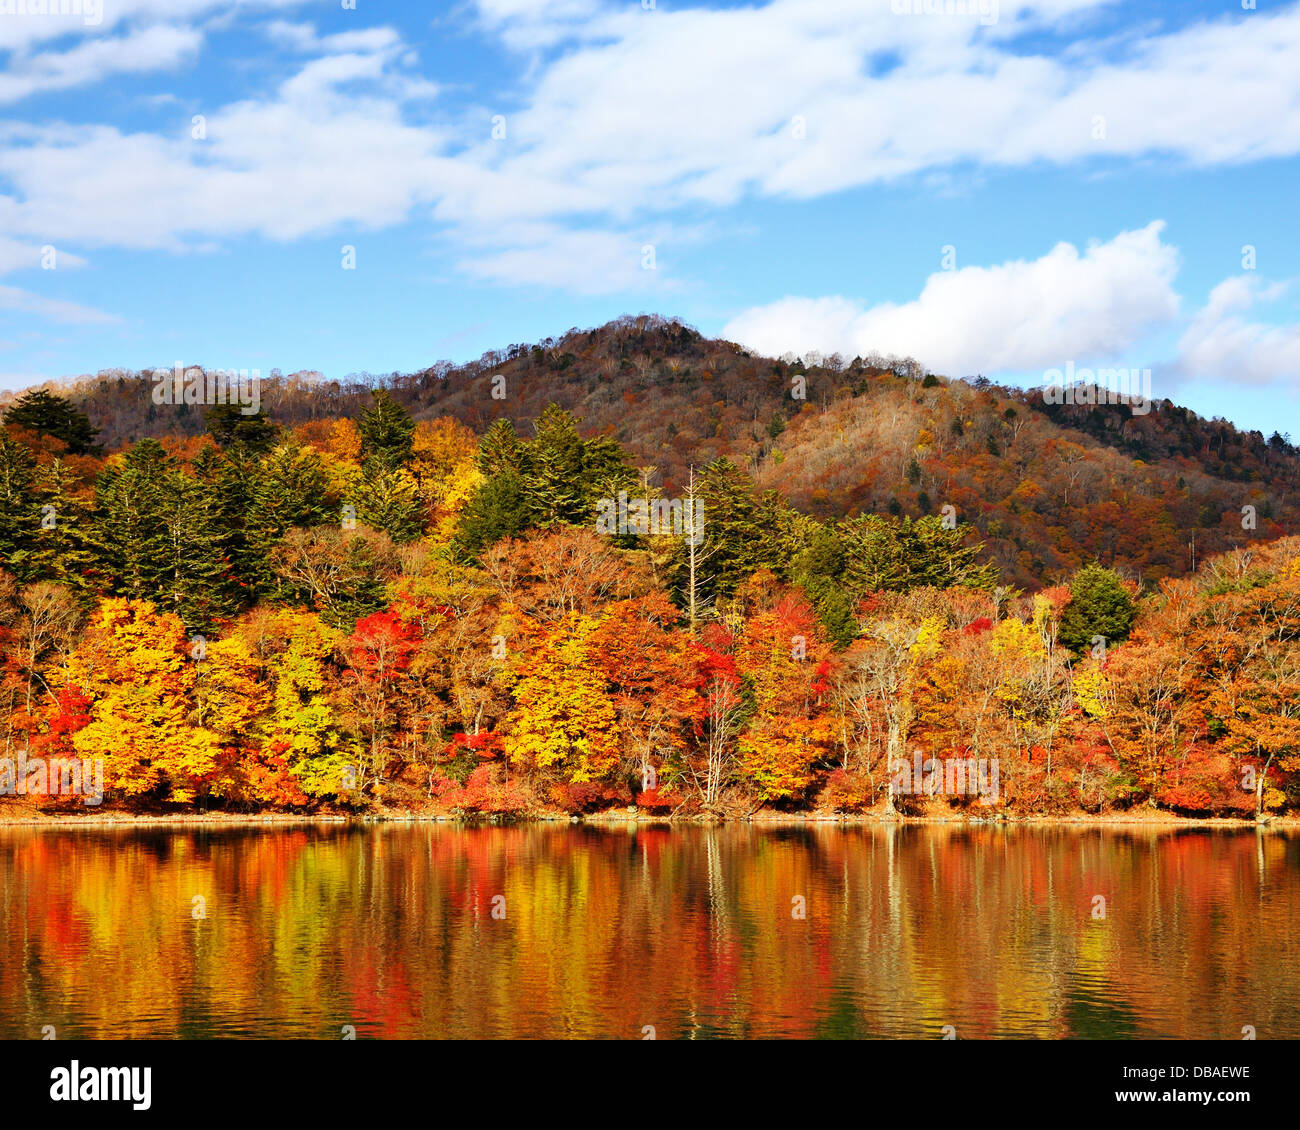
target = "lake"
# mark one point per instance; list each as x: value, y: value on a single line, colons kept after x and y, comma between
x: 448, y: 931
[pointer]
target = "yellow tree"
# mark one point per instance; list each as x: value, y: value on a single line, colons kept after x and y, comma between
x: 233, y: 697
x: 564, y: 724
x: 303, y: 724
x: 444, y: 461
x: 136, y: 666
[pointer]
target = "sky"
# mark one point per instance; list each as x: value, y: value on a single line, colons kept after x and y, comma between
x: 995, y: 187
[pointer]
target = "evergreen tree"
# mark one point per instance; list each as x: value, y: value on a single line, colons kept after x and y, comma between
x: 387, y: 430
x: 389, y: 501
x: 898, y: 556
x: 817, y: 566
x: 496, y: 510
x: 158, y: 537
x: 51, y: 415
x: 129, y: 536
x: 738, y: 529
x: 554, y: 486
x: 501, y: 450
x: 1099, y: 605
x: 61, y: 549
x: 196, y: 582
x: 605, y: 472
x: 228, y: 425
x: 289, y: 489
x: 231, y: 478
x: 19, y: 512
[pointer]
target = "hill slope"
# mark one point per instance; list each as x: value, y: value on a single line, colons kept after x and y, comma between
x: 1048, y: 486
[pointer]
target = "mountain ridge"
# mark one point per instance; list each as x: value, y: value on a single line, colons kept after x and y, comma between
x: 1048, y: 486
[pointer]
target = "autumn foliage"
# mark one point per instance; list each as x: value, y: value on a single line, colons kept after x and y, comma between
x: 386, y: 614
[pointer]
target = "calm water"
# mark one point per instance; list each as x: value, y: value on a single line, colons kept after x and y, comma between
x: 692, y: 931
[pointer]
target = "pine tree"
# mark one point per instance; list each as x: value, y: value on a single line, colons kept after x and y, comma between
x: 554, y: 488
x: 289, y: 490
x: 1099, y: 605
x: 158, y: 536
x: 387, y: 430
x: 46, y: 414
x: 61, y: 549
x: 501, y: 450
x: 229, y: 425
x: 817, y: 566
x: 196, y: 584
x: 496, y: 510
x: 129, y: 535
x: 738, y: 529
x: 389, y: 501
x: 19, y: 511
x: 898, y: 556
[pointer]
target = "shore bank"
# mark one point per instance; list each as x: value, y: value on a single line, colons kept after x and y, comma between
x: 1158, y: 821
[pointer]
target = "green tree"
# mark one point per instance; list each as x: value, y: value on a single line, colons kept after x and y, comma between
x: 495, y: 510
x: 389, y: 501
x: 901, y: 555
x: 51, y: 415
x: 289, y: 490
x: 129, y: 537
x: 228, y: 425
x: 1099, y: 605
x: 738, y: 530
x: 386, y: 430
x: 553, y: 485
x: 19, y: 512
x: 817, y: 566
x: 158, y: 537
x: 61, y: 549
x: 501, y: 450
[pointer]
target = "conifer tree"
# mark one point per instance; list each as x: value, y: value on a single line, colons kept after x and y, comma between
x: 501, y: 450
x: 19, y: 512
x: 389, y: 501
x: 1099, y: 606
x: 129, y: 535
x: 46, y: 414
x: 61, y: 549
x: 387, y: 430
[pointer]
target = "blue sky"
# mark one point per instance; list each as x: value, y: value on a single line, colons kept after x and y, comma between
x: 1002, y: 191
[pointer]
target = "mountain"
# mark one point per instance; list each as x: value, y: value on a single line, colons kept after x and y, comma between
x: 1048, y: 486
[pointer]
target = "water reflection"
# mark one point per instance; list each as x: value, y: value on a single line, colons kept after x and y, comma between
x: 599, y: 933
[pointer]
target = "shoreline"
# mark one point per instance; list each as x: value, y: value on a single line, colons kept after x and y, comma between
x: 1157, y: 821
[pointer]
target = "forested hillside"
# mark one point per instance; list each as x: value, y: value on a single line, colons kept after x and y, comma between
x: 1047, y: 487
x: 484, y: 590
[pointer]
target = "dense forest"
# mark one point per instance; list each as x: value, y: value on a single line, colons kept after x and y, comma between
x: 908, y: 594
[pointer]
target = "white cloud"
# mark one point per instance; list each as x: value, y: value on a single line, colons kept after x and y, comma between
x: 655, y: 110
x: 92, y: 18
x: 632, y: 116
x: 525, y: 25
x: 154, y: 48
x: 1014, y: 317
x: 1221, y: 343
x: 308, y: 160
x: 16, y: 256
x: 51, y: 309
x: 585, y: 262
